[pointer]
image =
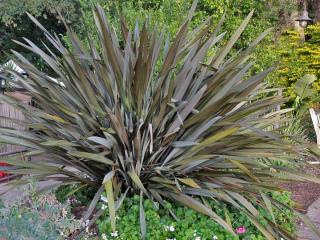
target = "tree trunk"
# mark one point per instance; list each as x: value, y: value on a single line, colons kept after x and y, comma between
x: 316, y: 8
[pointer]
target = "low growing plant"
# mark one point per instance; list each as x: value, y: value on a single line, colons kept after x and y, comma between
x: 37, y: 217
x: 188, y: 223
x: 157, y: 118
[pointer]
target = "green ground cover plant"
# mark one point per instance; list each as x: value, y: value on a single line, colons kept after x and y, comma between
x: 189, y: 224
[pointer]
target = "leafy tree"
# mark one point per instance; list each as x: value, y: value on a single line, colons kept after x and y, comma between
x: 15, y: 24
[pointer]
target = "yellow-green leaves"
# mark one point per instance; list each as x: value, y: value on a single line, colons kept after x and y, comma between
x: 107, y: 182
x: 137, y: 182
x: 189, y: 182
x: 214, y: 138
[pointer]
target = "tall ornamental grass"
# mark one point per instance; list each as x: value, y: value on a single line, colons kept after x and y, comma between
x: 158, y: 117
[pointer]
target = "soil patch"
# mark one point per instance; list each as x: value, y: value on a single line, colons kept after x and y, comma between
x: 305, y: 193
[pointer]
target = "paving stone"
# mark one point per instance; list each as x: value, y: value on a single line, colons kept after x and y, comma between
x: 304, y: 233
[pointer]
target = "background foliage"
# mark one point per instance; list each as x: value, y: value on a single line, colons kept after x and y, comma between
x: 15, y: 24
x: 166, y: 13
x: 297, y: 59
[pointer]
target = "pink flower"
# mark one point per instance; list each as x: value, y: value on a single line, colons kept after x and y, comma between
x: 241, y: 230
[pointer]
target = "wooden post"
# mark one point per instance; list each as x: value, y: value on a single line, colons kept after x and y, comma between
x: 315, y: 116
x: 278, y: 108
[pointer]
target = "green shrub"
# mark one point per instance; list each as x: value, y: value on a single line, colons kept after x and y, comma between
x: 155, y: 118
x: 190, y: 224
x: 296, y: 60
x: 41, y: 217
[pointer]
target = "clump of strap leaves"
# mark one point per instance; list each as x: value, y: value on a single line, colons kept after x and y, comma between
x: 145, y: 114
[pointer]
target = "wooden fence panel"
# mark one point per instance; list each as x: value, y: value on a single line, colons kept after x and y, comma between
x: 315, y: 116
x: 7, y: 110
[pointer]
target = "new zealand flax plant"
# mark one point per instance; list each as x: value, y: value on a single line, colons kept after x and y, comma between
x: 160, y: 118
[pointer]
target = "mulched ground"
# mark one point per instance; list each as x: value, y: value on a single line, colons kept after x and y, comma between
x: 305, y: 193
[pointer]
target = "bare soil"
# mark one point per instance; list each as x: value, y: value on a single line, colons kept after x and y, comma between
x: 305, y: 193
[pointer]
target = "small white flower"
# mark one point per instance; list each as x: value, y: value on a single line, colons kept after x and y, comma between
x: 156, y: 204
x: 114, y: 234
x: 214, y: 237
x: 281, y: 238
x: 169, y: 228
x: 197, y: 238
x: 64, y: 212
x: 104, y: 199
x: 104, y: 207
x: 117, y: 217
x: 104, y: 236
x: 85, y: 223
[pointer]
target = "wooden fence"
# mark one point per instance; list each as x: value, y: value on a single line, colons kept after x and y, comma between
x: 315, y: 116
x: 7, y: 110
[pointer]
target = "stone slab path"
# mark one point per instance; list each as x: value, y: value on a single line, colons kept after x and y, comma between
x: 313, y: 213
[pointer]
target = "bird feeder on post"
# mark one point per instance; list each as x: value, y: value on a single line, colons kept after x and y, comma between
x: 304, y: 19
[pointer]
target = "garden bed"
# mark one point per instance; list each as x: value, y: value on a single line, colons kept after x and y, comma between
x: 46, y: 213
